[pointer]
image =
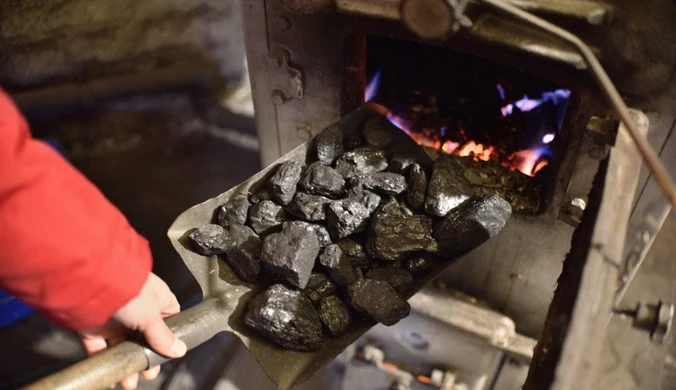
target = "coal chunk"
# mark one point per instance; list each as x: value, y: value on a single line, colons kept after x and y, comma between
x: 400, y: 162
x: 360, y: 161
x: 337, y: 265
x: 234, y: 212
x: 447, y: 187
x: 378, y: 131
x: 400, y: 279
x: 346, y: 217
x: 286, y: 317
x: 417, y: 186
x: 369, y: 199
x: 378, y: 300
x: 329, y: 144
x: 290, y: 254
x: 319, y: 286
x: 471, y: 224
x: 265, y: 216
x: 394, y: 232
x: 322, y: 234
x: 308, y: 207
x: 385, y: 183
x: 354, y: 141
x: 282, y: 185
x: 355, y: 252
x: 260, y: 196
x: 244, y: 256
x: 335, y: 315
x: 210, y: 240
x: 322, y: 180
x: 418, y: 262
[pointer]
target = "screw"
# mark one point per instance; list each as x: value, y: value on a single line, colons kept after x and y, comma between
x: 285, y: 23
x: 578, y: 203
x: 279, y: 97
x: 599, y: 152
x: 274, y: 61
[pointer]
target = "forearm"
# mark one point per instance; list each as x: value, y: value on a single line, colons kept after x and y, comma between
x: 64, y: 249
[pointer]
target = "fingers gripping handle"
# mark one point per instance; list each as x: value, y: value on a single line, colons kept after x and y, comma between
x: 194, y: 326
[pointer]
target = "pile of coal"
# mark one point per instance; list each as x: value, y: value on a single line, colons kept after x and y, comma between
x: 346, y: 238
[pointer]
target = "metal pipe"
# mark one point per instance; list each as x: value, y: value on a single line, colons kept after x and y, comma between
x: 194, y: 326
x: 647, y: 152
x: 78, y: 95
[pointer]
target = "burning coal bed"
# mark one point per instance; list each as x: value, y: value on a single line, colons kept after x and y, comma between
x: 345, y: 238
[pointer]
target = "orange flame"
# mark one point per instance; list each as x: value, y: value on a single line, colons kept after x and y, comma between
x: 529, y: 162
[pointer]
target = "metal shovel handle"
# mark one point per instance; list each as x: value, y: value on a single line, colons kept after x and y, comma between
x: 194, y: 326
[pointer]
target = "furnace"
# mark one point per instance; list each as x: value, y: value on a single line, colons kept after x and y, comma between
x: 511, y: 102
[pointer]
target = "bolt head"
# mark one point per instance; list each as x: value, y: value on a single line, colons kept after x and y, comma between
x: 279, y: 97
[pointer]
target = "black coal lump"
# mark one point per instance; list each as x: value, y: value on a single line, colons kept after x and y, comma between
x: 286, y: 317
x: 400, y: 279
x: 329, y: 144
x: 393, y: 233
x: 418, y: 262
x: 319, y: 286
x: 355, y: 252
x: 322, y: 180
x: 346, y: 217
x: 290, y: 254
x: 385, y: 183
x: 265, y: 216
x: 260, y: 196
x: 244, y: 256
x: 369, y: 199
x: 337, y: 265
x: 471, y: 224
x: 282, y: 185
x: 354, y: 141
x: 234, y: 212
x: 322, y: 234
x: 400, y: 162
x: 378, y: 131
x: 308, y: 207
x: 361, y: 160
x: 417, y: 186
x: 335, y: 315
x: 378, y: 300
x: 447, y: 187
x: 210, y: 240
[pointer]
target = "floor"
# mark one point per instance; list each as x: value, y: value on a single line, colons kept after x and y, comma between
x: 155, y: 156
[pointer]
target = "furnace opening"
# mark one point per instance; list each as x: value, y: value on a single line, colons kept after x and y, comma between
x: 454, y: 103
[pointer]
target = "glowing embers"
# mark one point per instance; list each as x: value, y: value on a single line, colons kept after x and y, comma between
x: 464, y: 105
x: 529, y: 161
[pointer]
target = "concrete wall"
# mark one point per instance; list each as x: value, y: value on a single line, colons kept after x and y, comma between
x: 48, y: 41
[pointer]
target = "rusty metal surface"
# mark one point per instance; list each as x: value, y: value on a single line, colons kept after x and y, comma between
x: 594, y: 300
x: 592, y: 12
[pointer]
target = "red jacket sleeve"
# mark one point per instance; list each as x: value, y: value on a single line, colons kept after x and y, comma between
x: 64, y: 248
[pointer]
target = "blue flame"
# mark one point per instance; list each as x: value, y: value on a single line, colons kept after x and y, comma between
x: 501, y: 91
x: 372, y: 87
x: 559, y: 96
x: 547, y: 138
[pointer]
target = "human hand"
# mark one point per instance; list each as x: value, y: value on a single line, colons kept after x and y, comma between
x: 145, y: 314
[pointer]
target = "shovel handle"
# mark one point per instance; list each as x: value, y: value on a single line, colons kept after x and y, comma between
x: 194, y: 326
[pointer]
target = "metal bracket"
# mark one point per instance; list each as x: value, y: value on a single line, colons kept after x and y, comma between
x: 286, y: 81
x: 652, y: 223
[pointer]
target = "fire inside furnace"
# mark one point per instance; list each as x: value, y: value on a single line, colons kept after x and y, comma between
x: 466, y: 106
